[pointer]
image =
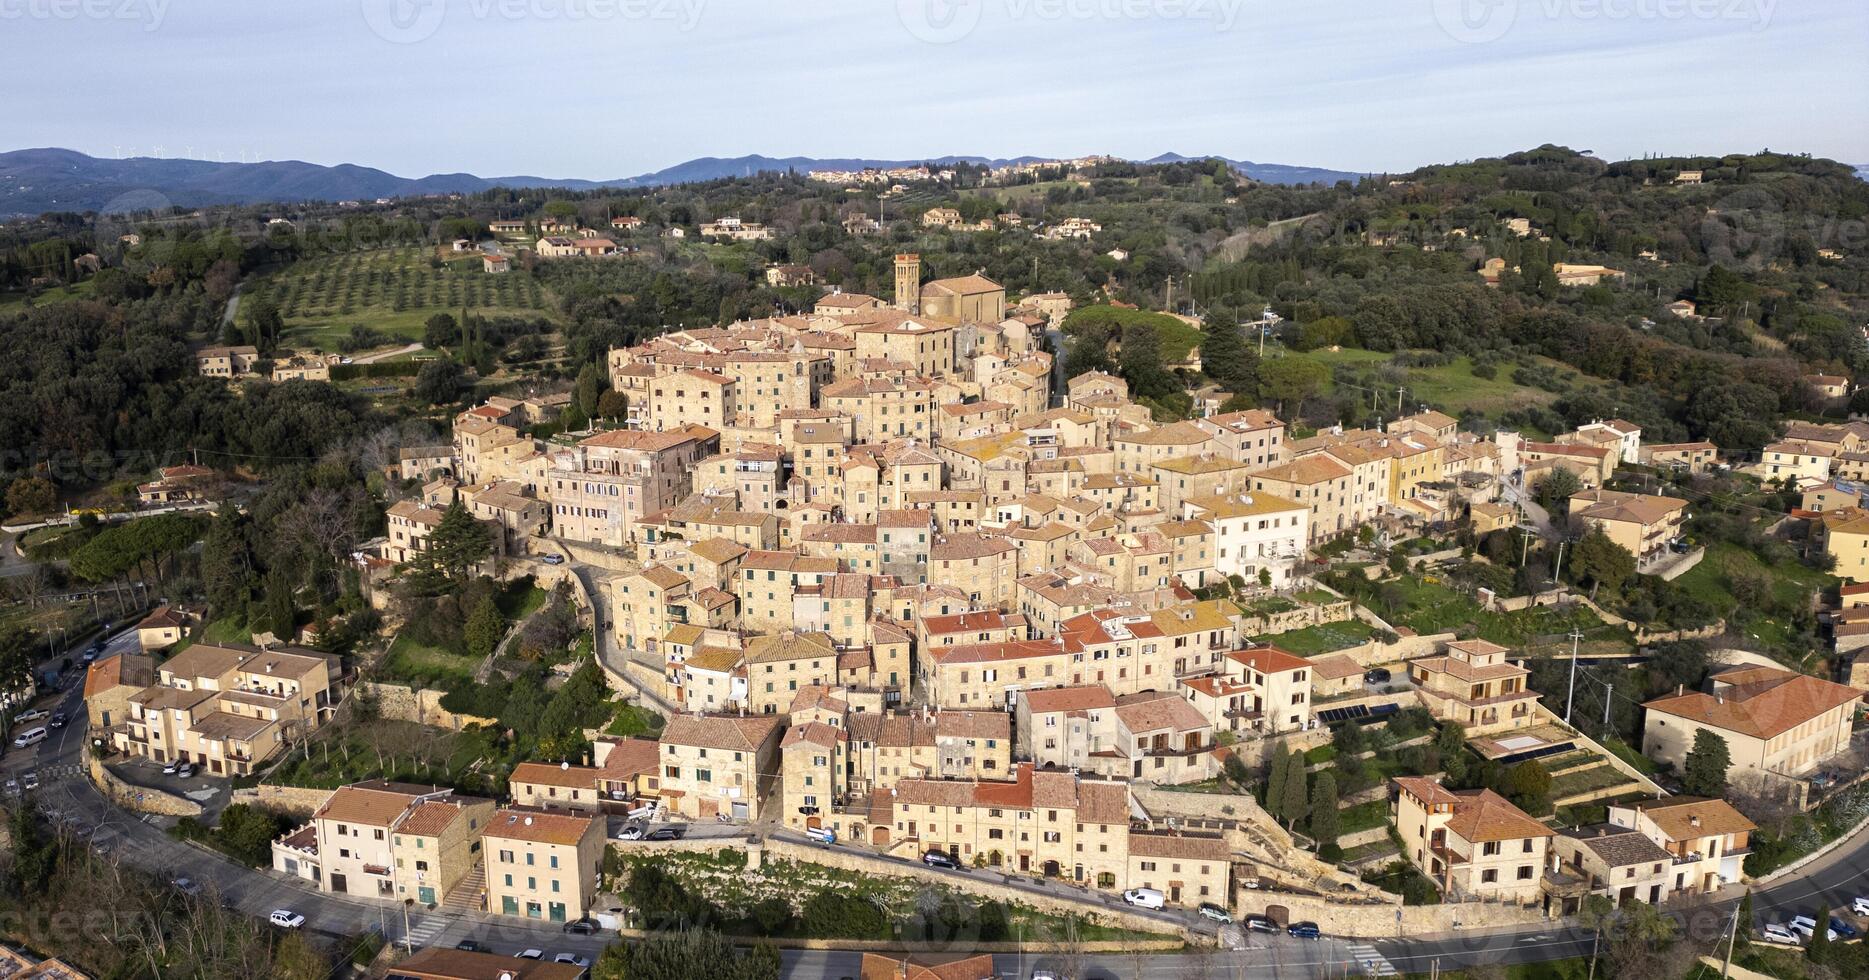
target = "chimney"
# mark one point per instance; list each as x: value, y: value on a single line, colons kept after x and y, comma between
x: 1693, y: 820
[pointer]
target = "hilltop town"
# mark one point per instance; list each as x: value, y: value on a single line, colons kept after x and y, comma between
x: 614, y: 565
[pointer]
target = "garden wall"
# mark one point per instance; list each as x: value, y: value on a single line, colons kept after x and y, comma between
x: 298, y: 801
x: 398, y: 702
x: 1295, y: 619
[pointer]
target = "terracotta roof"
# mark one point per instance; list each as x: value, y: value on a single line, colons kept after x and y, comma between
x: 122, y: 670
x: 367, y: 806
x: 1269, y: 659
x: 438, y: 963
x: 743, y: 734
x: 1619, y: 847
x: 1483, y: 815
x: 547, y: 774
x: 813, y: 733
x: 1056, y: 699
x: 1685, y: 819
x: 539, y: 826
x: 1762, y: 702
x: 1154, y: 711
x: 1179, y: 846
x: 629, y: 757
x: 1336, y: 667
x: 430, y: 818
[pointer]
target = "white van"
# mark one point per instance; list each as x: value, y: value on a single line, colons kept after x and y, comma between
x: 31, y: 736
x: 823, y: 835
x: 1145, y: 898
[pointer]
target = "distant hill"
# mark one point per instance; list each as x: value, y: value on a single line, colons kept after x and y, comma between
x: 39, y: 180
x: 1271, y: 173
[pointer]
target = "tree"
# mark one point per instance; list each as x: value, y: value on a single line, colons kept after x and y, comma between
x: 281, y: 612
x: 612, y: 405
x: 440, y: 331
x: 1279, y: 768
x: 590, y: 388
x: 458, y: 544
x: 31, y: 495
x: 1557, y: 485
x: 1291, y: 380
x: 612, y: 963
x: 1818, y: 950
x: 1704, y: 771
x: 442, y: 381
x: 484, y: 628
x: 264, y: 323
x: 1141, y: 362
x: 1601, y: 562
x: 1225, y: 356
x: 1324, y: 812
x: 1292, y: 807
x: 1528, y: 786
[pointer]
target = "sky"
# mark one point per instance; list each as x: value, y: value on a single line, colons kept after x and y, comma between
x: 612, y: 88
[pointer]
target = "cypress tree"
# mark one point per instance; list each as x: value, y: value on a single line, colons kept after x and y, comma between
x: 1293, y: 806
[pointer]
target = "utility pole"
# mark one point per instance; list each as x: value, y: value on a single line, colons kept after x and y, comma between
x: 1576, y: 636
x: 1398, y: 402
x: 1557, y: 575
x: 1525, y: 545
x: 1609, y: 694
x: 1168, y: 295
x: 1732, y: 936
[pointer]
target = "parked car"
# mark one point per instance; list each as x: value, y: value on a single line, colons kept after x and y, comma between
x: 529, y: 954
x: 573, y: 959
x: 1860, y: 906
x: 33, y: 715
x: 1377, y: 675
x: 1260, y: 923
x: 185, y: 770
x: 552, y: 559
x: 940, y: 859
x: 29, y: 779
x: 1145, y: 898
x: 187, y: 886
x: 169, y: 770
x: 1840, y: 929
x: 29, y: 737
x: 469, y: 946
x: 1806, y: 927
x: 632, y: 831
x: 1209, y: 910
x: 1304, y: 930
x: 666, y: 833
x: 286, y: 919
x: 1775, y: 933
x: 12, y: 786
x: 581, y: 927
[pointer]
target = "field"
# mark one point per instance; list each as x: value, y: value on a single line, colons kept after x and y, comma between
x: 382, y: 749
x: 15, y: 300
x: 1451, y: 388
x: 1792, y: 583
x: 1328, y: 638
x: 393, y: 291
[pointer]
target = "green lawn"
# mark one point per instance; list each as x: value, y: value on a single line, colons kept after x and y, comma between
x: 521, y: 599
x: 1627, y: 753
x: 392, y: 290
x: 17, y: 299
x: 1452, y: 388
x: 1363, y: 816
x: 411, y: 661
x: 1316, y: 597
x: 1792, y: 583
x: 1588, y: 780
x: 1327, y: 638
x: 1425, y: 605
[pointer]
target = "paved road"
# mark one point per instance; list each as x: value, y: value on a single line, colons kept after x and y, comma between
x: 386, y: 354
x: 1832, y: 880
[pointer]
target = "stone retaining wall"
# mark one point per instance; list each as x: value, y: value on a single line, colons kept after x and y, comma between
x: 399, y: 702
x: 298, y: 801
x: 1379, y: 920
x: 983, y: 884
x: 141, y: 799
x: 1295, y: 619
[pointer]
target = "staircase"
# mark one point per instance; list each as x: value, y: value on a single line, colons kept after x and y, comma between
x: 467, y: 893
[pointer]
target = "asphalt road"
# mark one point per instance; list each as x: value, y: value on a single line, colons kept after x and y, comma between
x: 67, y: 794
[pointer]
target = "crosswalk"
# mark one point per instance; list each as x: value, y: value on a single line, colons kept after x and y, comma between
x: 424, y: 929
x: 1371, y: 961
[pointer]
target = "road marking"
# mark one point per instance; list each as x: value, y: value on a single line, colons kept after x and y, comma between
x: 1371, y: 960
